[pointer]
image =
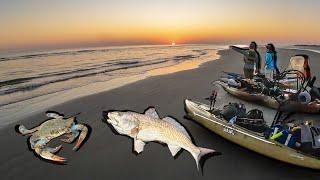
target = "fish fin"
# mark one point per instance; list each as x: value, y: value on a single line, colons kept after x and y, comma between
x: 138, y: 145
x: 174, y: 149
x: 202, y: 152
x: 178, y: 125
x: 134, y: 132
x: 53, y: 114
x: 152, y: 113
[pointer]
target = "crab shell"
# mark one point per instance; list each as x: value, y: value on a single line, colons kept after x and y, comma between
x: 55, y: 127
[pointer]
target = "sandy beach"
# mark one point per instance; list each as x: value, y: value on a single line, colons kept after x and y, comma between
x: 106, y: 155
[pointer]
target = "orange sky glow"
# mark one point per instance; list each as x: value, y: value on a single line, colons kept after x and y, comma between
x: 77, y: 23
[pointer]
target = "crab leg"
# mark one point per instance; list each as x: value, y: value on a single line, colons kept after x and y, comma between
x: 71, y: 137
x: 46, y: 154
x: 82, y: 136
x: 24, y: 131
x: 34, y: 139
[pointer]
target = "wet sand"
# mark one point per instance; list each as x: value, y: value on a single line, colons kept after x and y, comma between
x: 109, y: 156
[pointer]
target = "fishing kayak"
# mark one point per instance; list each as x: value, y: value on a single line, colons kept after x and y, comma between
x: 262, y: 99
x: 249, y: 139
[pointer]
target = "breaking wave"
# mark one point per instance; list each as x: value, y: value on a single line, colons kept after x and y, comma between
x: 69, y: 69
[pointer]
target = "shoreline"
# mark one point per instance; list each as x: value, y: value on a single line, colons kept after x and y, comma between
x: 38, y: 104
x: 302, y: 49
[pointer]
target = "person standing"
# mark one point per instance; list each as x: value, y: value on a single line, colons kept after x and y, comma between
x: 252, y: 59
x: 269, y: 62
x: 275, y: 58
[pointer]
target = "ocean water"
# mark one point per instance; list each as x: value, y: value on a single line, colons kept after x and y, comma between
x: 315, y: 49
x: 32, y: 76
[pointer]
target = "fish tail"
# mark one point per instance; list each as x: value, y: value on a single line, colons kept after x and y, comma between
x: 199, y: 154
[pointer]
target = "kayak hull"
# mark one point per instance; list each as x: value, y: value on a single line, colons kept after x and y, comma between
x: 248, y: 139
x: 268, y: 101
x: 258, y: 98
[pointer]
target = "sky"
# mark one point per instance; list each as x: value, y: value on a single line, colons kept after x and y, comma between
x: 80, y: 23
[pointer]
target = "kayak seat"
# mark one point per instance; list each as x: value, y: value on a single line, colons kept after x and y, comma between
x: 253, y: 121
x: 233, y: 109
x: 255, y: 114
x: 256, y: 125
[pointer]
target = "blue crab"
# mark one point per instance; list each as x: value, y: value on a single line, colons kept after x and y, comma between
x: 54, y: 127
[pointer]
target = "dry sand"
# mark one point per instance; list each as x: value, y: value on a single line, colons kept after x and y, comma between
x: 109, y: 156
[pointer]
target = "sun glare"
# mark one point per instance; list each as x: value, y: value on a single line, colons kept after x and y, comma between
x: 173, y: 44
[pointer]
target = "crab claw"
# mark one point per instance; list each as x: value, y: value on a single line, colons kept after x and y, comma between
x: 46, y: 154
x: 54, y: 150
x: 82, y: 136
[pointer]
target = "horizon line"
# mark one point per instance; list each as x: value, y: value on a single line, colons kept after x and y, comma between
x: 53, y: 49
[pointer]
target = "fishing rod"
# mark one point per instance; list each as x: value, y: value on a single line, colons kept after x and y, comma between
x: 212, y: 99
